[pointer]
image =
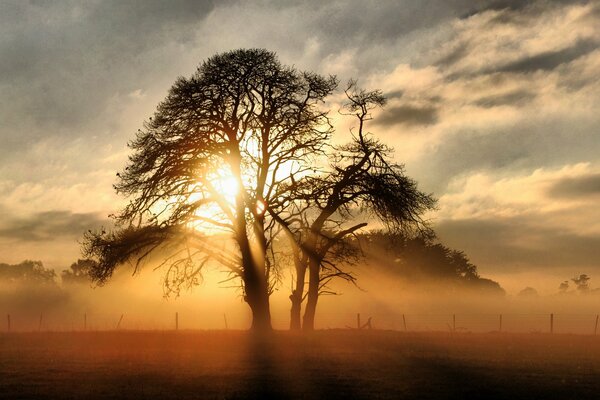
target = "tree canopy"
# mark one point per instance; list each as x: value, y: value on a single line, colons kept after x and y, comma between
x: 236, y: 152
x: 27, y: 272
x: 218, y: 152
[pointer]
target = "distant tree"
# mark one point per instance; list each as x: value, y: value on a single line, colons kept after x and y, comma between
x: 528, y: 292
x: 582, y: 283
x: 421, y: 258
x: 222, y: 148
x: 360, y: 178
x: 78, y: 272
x: 28, y: 272
x: 563, y: 287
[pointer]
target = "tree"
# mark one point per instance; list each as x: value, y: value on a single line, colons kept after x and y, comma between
x: 28, y: 272
x: 78, y: 272
x: 222, y: 148
x: 361, y: 178
x: 582, y: 282
x: 421, y: 259
x: 528, y: 292
x: 563, y: 287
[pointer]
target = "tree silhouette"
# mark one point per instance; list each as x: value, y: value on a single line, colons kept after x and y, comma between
x: 222, y: 148
x: 582, y: 282
x: 422, y: 259
x: 27, y: 272
x: 361, y: 177
x: 528, y: 292
x: 563, y: 287
x: 78, y: 272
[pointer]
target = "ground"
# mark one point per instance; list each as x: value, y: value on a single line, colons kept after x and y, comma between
x: 325, y: 364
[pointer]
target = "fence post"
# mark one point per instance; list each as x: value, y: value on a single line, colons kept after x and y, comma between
x: 552, y: 323
x: 8, y: 322
x: 225, y: 319
x: 453, y: 322
x: 40, y: 324
x: 404, y: 321
x: 85, y: 321
x: 176, y: 321
x: 596, y: 327
x: 500, y: 327
x: 119, y: 323
x: 358, y: 321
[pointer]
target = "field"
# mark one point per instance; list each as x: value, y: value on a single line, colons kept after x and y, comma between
x: 325, y: 364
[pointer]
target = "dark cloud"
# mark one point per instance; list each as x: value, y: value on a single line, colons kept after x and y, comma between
x: 453, y: 56
x: 50, y: 225
x: 62, y: 62
x: 523, y: 145
x: 408, y: 115
x: 517, y: 5
x: 510, y: 244
x: 548, y: 60
x: 514, y: 98
x: 396, y: 94
x: 579, y: 187
x: 357, y: 22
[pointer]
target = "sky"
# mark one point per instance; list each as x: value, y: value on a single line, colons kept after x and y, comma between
x: 493, y: 108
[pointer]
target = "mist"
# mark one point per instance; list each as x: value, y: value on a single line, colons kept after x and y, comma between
x: 381, y: 294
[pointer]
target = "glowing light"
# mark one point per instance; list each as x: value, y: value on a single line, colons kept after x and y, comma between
x: 260, y: 207
x: 227, y: 186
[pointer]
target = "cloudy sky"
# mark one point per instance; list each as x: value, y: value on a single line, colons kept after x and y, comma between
x: 494, y: 107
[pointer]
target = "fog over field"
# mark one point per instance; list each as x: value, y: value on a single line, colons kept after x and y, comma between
x: 383, y: 295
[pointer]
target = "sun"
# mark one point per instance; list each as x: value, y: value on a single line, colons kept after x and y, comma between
x: 226, y: 185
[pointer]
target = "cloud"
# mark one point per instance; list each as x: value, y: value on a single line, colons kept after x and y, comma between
x: 408, y: 115
x: 511, y: 244
x: 49, y: 226
x: 577, y: 187
x: 62, y: 63
x: 510, y: 146
x: 513, y: 98
x: 509, y: 224
x: 548, y: 60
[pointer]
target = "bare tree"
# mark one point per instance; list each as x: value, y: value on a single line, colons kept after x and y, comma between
x: 361, y: 178
x: 221, y: 149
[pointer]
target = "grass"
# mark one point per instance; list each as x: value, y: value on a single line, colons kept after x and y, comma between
x: 325, y: 364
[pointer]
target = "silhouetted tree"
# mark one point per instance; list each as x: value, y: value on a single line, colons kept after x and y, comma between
x: 582, y: 282
x: 563, y: 287
x: 242, y: 119
x: 78, y: 272
x: 420, y: 258
x: 528, y: 292
x: 28, y: 272
x: 361, y: 178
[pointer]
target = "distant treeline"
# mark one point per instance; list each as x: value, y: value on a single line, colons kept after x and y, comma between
x: 423, y: 259
x: 34, y: 273
x: 420, y: 259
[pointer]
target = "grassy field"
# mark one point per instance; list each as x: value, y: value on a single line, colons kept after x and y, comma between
x: 326, y: 364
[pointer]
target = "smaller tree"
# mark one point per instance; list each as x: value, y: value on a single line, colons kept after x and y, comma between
x: 361, y: 178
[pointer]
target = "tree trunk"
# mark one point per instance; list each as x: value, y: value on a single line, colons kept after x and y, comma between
x: 297, y: 293
x: 255, y: 286
x: 257, y: 296
x: 308, y: 323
